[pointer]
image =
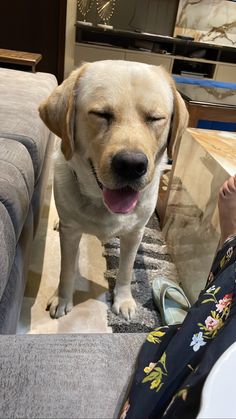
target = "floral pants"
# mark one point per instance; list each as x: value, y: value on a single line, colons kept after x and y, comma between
x: 174, y: 361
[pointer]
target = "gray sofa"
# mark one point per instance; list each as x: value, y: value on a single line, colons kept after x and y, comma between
x: 81, y: 376
x: 44, y: 376
x: 25, y: 149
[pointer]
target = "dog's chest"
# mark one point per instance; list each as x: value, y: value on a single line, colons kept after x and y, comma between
x: 82, y: 206
x: 98, y: 221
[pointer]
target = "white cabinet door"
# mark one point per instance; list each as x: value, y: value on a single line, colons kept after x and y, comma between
x: 92, y: 53
x: 225, y: 72
x: 150, y: 58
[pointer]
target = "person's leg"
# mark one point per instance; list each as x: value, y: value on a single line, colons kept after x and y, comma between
x: 219, y: 327
x: 227, y: 209
x: 170, y: 355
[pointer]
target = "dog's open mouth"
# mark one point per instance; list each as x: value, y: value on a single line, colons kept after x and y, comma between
x: 122, y: 200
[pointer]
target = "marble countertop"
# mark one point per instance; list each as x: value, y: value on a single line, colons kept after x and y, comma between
x: 214, y: 95
x: 221, y: 145
x: 191, y: 228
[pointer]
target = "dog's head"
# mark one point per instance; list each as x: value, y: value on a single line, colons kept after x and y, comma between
x: 120, y: 117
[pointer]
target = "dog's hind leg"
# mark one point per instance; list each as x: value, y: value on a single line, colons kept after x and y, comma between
x: 123, y: 300
x: 62, y: 301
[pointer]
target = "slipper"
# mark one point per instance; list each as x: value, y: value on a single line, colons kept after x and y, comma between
x: 170, y: 300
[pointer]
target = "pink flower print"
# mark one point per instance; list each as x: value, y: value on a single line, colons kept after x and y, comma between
x: 150, y: 367
x: 228, y: 299
x: 220, y: 306
x: 211, y: 323
x: 210, y: 278
x: 225, y: 302
x: 125, y: 410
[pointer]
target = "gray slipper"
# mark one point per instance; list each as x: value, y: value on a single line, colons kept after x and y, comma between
x: 170, y: 300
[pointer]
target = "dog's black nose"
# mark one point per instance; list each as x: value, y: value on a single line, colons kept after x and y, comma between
x: 129, y: 165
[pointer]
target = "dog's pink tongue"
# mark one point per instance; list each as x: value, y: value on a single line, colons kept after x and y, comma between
x: 120, y: 200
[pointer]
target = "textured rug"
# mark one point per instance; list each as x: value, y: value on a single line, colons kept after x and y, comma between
x: 153, y: 259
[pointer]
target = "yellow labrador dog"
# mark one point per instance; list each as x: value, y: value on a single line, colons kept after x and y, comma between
x: 115, y: 120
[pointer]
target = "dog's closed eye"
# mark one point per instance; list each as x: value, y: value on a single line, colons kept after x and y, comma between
x: 149, y: 118
x: 103, y: 114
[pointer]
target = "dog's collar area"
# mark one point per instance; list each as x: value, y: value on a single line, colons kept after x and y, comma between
x: 95, y: 175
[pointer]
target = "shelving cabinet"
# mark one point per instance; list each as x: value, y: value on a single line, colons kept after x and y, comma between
x: 178, y: 56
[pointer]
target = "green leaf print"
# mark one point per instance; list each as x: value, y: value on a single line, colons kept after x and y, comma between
x: 154, y: 336
x: 208, y: 301
x: 155, y: 373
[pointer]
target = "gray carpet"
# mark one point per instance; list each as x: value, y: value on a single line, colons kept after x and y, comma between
x: 152, y: 259
x: 66, y: 376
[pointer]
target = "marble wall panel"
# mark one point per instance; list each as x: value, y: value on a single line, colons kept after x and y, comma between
x: 211, y: 21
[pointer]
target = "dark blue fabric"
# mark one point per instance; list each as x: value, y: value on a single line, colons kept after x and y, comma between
x: 174, y: 363
x: 216, y: 125
x: 204, y: 82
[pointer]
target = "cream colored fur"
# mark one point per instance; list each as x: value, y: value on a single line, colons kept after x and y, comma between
x: 149, y: 116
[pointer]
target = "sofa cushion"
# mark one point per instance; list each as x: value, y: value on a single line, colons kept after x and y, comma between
x: 21, y: 94
x: 66, y: 376
x: 7, y: 247
x: 16, y: 181
x: 11, y: 299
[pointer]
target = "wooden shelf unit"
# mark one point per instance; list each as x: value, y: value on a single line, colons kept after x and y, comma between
x: 178, y: 56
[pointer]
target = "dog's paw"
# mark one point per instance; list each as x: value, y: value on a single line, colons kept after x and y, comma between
x: 127, y: 307
x: 59, y: 307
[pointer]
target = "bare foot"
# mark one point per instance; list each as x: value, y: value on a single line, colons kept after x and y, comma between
x: 227, y: 209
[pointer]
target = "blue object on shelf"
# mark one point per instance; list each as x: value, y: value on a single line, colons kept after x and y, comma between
x: 205, y: 124
x: 204, y: 82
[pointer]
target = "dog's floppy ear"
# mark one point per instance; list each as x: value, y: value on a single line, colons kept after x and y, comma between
x: 58, y: 111
x: 178, y: 124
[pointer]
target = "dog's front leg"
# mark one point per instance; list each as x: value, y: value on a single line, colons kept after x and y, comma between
x: 123, y: 300
x: 62, y: 301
